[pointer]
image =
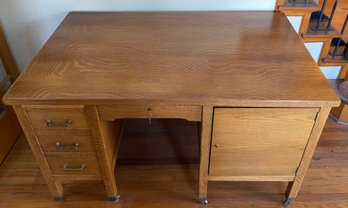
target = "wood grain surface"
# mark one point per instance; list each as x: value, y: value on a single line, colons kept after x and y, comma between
x: 54, y: 186
x: 308, y: 153
x: 105, y: 141
x: 112, y: 112
x: 259, y: 142
x: 205, y: 143
x: 225, y: 58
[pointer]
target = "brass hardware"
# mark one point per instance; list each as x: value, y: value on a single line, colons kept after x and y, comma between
x: 61, y: 146
x: 67, y: 169
x: 149, y: 115
x: 51, y: 123
x: 216, y: 145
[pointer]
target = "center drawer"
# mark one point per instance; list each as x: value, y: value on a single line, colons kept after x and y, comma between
x: 112, y: 112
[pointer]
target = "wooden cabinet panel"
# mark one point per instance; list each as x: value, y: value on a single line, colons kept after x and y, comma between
x: 259, y: 142
x: 58, y: 118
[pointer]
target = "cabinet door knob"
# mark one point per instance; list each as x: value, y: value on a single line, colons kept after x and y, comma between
x: 149, y: 115
x: 216, y: 145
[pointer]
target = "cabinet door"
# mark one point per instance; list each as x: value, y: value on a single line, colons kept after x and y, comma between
x: 259, y: 141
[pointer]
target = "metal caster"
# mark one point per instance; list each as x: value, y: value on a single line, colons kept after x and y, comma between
x: 288, y: 202
x: 204, y: 201
x: 115, y: 199
x: 59, y: 198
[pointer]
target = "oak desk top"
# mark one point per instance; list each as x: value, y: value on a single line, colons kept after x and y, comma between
x: 220, y: 58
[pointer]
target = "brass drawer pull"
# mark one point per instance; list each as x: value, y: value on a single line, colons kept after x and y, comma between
x: 67, y: 123
x: 67, y: 169
x: 73, y: 146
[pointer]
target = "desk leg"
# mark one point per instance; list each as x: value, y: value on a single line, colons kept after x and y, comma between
x: 206, y: 127
x: 101, y: 134
x: 294, y: 186
x: 54, y: 186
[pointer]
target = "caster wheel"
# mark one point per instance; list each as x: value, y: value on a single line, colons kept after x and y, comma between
x: 115, y: 198
x: 288, y: 202
x: 59, y: 199
x: 204, y: 201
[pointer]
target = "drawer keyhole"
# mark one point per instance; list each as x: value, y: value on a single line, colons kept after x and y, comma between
x: 149, y: 115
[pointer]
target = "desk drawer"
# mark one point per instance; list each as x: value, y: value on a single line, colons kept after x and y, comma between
x: 58, y: 118
x: 259, y: 141
x: 79, y: 165
x: 112, y: 112
x: 66, y: 142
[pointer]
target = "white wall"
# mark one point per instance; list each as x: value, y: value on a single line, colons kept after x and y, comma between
x: 331, y: 72
x: 295, y: 21
x: 29, y: 23
x: 314, y: 49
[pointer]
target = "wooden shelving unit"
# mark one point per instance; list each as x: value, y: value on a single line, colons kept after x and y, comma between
x: 312, y: 31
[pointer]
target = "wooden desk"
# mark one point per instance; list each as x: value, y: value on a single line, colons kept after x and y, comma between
x: 245, y: 76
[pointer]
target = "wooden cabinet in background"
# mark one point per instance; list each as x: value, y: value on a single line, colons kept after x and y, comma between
x: 340, y: 13
x: 9, y: 126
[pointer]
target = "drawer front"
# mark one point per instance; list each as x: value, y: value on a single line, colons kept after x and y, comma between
x: 112, y: 112
x: 259, y: 141
x: 66, y: 142
x: 53, y: 119
x: 73, y: 164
